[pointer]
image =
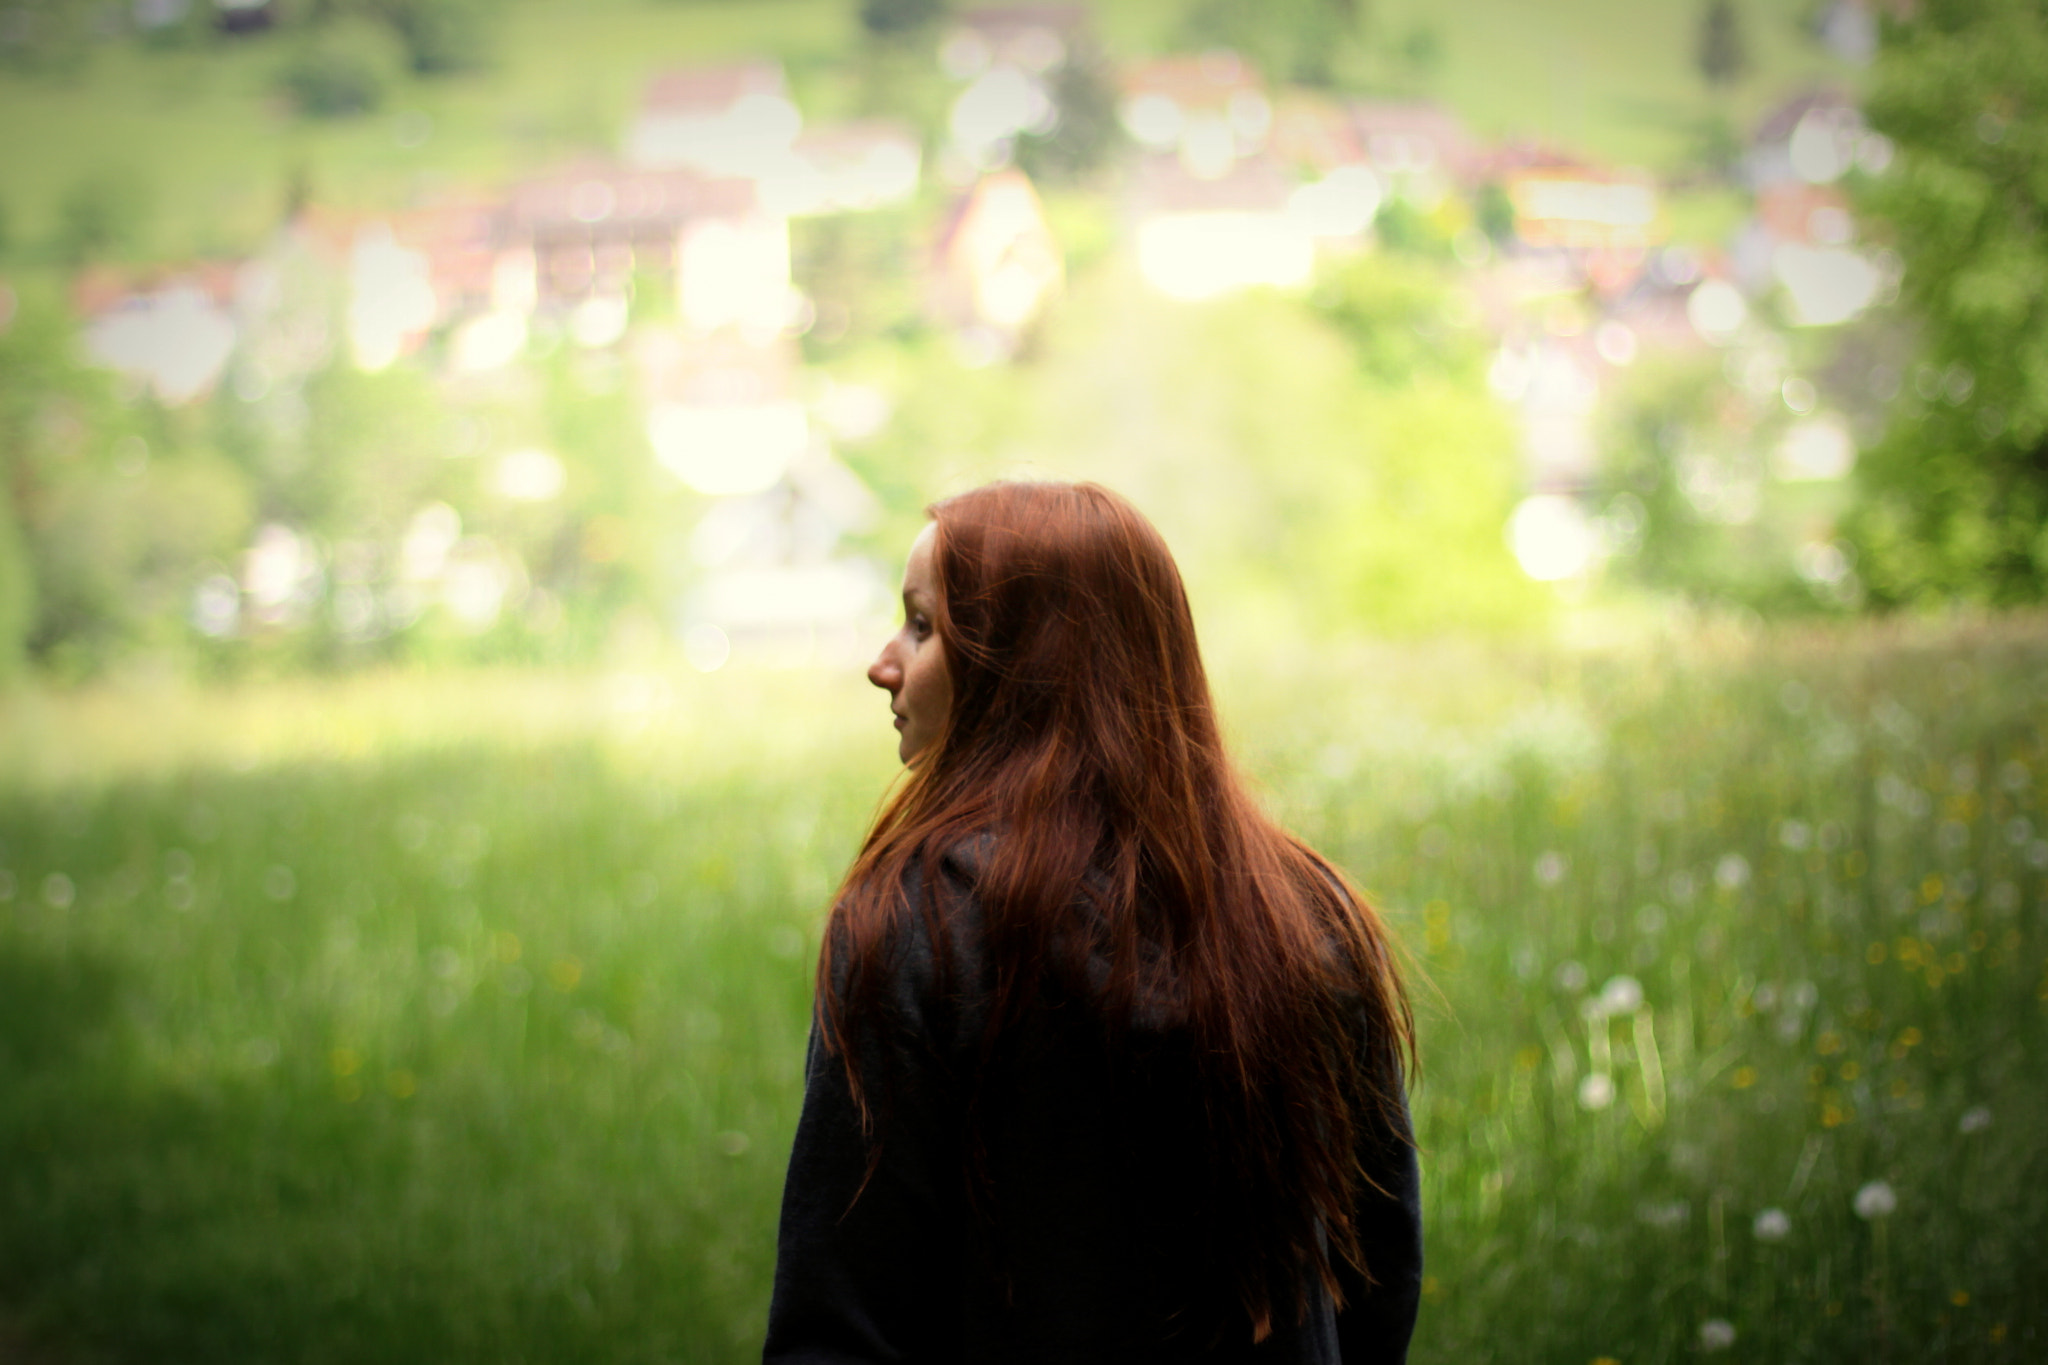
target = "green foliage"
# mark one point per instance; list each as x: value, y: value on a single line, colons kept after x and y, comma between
x: 1402, y: 227
x: 1690, y: 497
x: 339, y: 69
x: 1716, y: 147
x: 441, y: 36
x: 17, y: 580
x: 116, y: 558
x: 111, y: 509
x: 860, y: 272
x: 1301, y: 41
x: 1333, y: 469
x: 101, y: 215
x: 1421, y: 52
x: 1084, y: 92
x: 49, y: 37
x: 1408, y: 520
x: 1494, y: 213
x: 1723, y: 54
x: 1955, y: 498
x: 900, y: 19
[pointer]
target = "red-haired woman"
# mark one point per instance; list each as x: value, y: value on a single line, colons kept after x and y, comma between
x: 1106, y: 1066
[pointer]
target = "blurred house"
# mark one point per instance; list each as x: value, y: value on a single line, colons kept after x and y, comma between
x: 848, y: 167
x: 1009, y: 56
x: 727, y: 419
x: 170, y: 331
x: 1564, y: 202
x: 1600, y: 221
x: 725, y: 122
x: 774, y: 573
x: 459, y: 237
x: 1313, y: 134
x: 591, y: 230
x: 1210, y: 111
x: 996, y: 264
x: 1814, y: 138
x: 1319, y: 140
x: 1418, y: 149
x: 1200, y: 236
x: 723, y: 414
x: 1035, y: 39
x: 1802, y: 237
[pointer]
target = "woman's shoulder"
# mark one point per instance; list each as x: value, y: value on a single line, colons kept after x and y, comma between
x: 936, y: 932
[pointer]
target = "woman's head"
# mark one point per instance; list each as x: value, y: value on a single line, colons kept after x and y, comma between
x: 1060, y: 618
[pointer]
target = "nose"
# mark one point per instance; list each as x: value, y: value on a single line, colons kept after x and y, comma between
x: 885, y: 672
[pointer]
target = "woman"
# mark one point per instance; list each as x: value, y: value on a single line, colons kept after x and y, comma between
x: 1106, y: 1066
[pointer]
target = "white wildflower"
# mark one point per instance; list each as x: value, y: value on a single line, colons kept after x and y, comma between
x: 1596, y: 1091
x: 1621, y: 995
x: 1975, y: 1120
x: 1772, y: 1225
x: 1717, y: 1334
x: 1876, y: 1200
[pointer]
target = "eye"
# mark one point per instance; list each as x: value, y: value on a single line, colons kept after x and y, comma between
x: 920, y: 626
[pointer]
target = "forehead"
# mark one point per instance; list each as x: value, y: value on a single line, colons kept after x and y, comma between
x: 917, y: 570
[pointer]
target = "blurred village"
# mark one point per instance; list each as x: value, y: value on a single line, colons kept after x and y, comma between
x: 666, y: 272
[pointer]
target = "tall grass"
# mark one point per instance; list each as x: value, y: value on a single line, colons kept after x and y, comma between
x: 451, y: 1019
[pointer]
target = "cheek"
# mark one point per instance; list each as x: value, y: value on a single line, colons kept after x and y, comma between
x: 925, y: 680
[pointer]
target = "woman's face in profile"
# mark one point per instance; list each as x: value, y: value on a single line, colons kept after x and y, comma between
x: 912, y: 665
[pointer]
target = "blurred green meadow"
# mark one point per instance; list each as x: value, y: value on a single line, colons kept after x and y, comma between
x: 460, y: 1017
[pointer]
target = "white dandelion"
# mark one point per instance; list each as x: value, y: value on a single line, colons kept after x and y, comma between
x: 1876, y: 1200
x: 1621, y: 995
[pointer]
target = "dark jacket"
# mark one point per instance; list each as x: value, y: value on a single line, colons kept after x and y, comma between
x: 1038, y: 1211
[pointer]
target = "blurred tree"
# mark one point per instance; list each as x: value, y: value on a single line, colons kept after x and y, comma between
x: 1954, y: 500
x: 17, y: 582
x: 1422, y: 52
x: 1723, y: 53
x: 1401, y: 226
x: 899, y: 18
x: 1084, y: 92
x: 1689, y: 501
x: 107, y: 508
x: 340, y: 68
x: 440, y: 36
x: 859, y: 271
x: 372, y: 457
x: 100, y: 215
x: 1494, y: 213
x: 1303, y: 41
x: 1715, y: 147
x: 1413, y: 531
x: 49, y: 37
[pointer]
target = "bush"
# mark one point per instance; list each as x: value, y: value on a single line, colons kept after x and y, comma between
x: 339, y: 70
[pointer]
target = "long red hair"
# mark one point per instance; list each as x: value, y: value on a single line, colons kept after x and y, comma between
x: 1083, y: 751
